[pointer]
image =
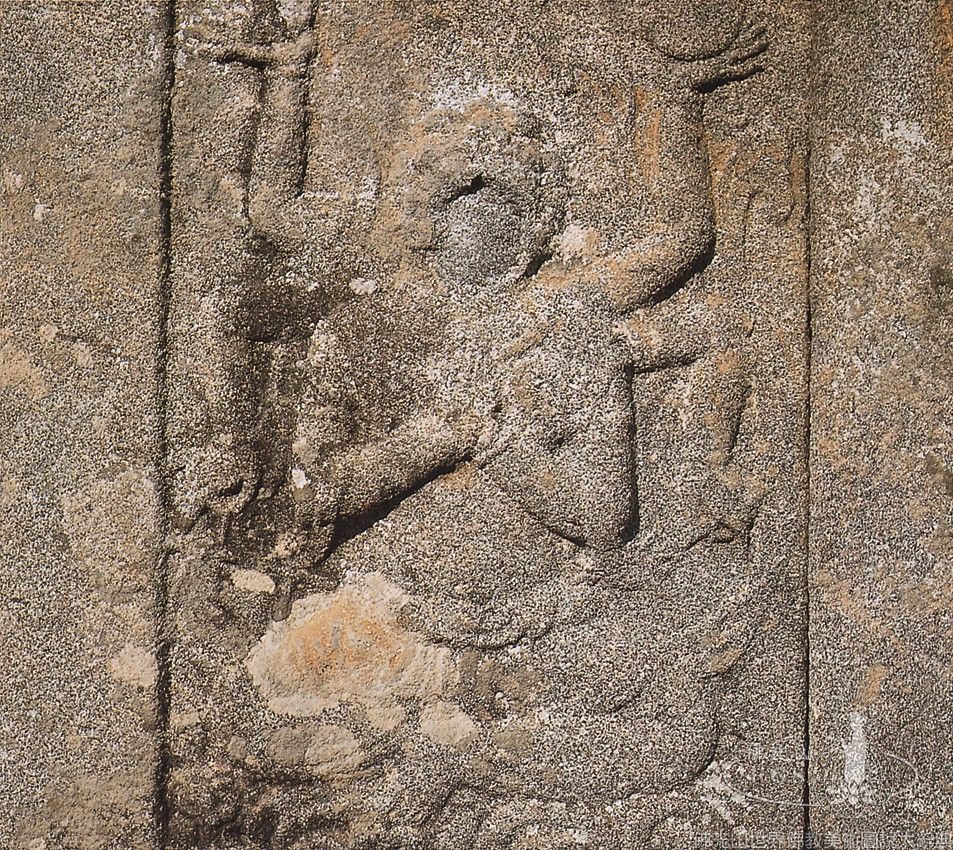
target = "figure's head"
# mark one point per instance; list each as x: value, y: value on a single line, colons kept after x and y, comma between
x: 478, y: 194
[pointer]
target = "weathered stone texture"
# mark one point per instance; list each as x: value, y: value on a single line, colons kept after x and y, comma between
x: 544, y: 407
x: 79, y: 208
x: 881, y: 456
x: 491, y: 502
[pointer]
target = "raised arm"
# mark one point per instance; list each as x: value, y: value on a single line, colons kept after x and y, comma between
x: 279, y: 161
x: 679, y: 238
x: 278, y: 207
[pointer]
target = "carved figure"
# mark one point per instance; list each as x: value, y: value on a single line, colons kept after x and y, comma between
x: 316, y: 225
x: 498, y: 444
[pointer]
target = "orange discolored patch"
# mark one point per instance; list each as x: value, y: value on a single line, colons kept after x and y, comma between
x: 648, y: 142
x: 943, y: 69
x: 344, y: 638
x: 347, y: 647
x: 872, y: 685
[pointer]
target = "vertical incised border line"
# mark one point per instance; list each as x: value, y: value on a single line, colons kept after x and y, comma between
x: 163, y: 613
x: 809, y: 343
x: 808, y: 835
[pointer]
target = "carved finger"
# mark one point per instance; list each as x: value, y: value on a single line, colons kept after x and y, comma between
x: 201, y: 33
x: 295, y: 52
x: 733, y: 68
x: 746, y: 53
x: 751, y: 39
x: 750, y: 30
x: 749, y: 44
x: 257, y: 55
x: 249, y: 54
x: 742, y: 72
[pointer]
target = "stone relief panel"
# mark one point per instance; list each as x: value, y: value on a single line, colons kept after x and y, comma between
x: 487, y: 396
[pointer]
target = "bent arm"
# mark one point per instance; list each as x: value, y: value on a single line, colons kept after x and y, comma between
x: 388, y: 469
x: 679, y: 238
x: 277, y: 206
x: 359, y: 479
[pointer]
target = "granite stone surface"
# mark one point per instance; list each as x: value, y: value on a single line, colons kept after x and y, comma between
x: 81, y: 533
x: 436, y: 425
x: 881, y: 719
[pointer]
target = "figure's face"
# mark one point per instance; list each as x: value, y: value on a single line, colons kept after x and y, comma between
x: 479, y: 196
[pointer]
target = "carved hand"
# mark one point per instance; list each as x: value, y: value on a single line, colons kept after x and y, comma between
x: 294, y: 55
x: 741, y: 59
x: 217, y: 478
x: 288, y: 57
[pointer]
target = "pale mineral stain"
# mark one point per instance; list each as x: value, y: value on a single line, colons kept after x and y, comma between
x: 9, y: 491
x: 329, y: 751
x: 333, y: 751
x: 110, y: 528
x: 17, y: 372
x: 134, y: 665
x: 184, y: 719
x: 363, y: 286
x: 447, y: 723
x: 82, y: 355
x: 299, y: 478
x: 12, y: 182
x: 578, y: 242
x: 347, y: 647
x: 855, y: 753
x: 253, y: 581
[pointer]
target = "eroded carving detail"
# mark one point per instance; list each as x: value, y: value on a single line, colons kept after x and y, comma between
x: 418, y: 503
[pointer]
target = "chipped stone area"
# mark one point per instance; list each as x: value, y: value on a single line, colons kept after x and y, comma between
x: 347, y: 647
